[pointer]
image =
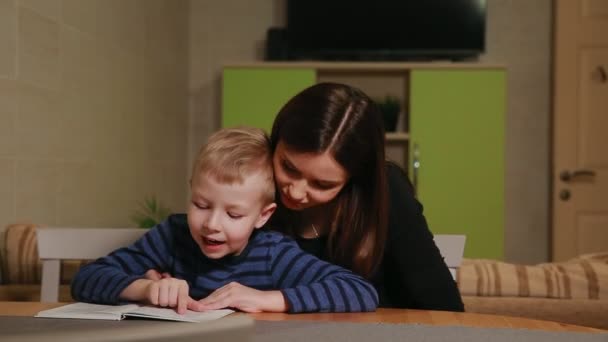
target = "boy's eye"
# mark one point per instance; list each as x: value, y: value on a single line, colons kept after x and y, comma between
x: 234, y: 216
x: 200, y: 206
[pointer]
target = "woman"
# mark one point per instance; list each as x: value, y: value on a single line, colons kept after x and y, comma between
x: 344, y: 203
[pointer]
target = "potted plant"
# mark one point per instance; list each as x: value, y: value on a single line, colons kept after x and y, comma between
x: 390, y: 108
x: 150, y: 213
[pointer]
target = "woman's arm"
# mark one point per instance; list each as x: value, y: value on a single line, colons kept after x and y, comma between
x: 103, y: 280
x: 419, y: 270
x: 312, y: 285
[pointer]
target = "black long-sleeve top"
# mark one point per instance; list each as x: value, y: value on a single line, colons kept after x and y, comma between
x: 412, y: 273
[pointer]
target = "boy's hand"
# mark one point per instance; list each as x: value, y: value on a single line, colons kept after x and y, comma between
x: 153, y: 274
x: 169, y: 292
x: 237, y: 296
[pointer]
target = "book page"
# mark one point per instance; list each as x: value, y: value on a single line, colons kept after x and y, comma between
x: 88, y: 311
x: 172, y: 315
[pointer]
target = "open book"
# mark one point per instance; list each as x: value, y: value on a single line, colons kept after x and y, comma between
x: 118, y: 312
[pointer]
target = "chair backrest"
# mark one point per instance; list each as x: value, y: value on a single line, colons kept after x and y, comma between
x: 56, y: 244
x: 451, y: 248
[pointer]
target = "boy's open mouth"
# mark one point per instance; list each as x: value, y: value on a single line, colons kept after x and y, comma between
x: 213, y: 242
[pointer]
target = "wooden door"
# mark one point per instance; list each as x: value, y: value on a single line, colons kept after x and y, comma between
x: 580, y: 130
x: 457, y: 146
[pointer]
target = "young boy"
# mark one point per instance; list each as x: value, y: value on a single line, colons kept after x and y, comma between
x: 216, y: 256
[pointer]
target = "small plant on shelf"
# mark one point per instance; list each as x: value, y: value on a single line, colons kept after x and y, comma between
x: 150, y: 213
x: 390, y: 107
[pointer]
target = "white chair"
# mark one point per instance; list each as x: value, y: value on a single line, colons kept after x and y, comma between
x: 451, y: 248
x: 56, y: 244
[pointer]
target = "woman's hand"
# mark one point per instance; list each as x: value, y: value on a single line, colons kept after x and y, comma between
x: 237, y: 296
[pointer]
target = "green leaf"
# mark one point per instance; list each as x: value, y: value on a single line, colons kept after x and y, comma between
x: 150, y: 212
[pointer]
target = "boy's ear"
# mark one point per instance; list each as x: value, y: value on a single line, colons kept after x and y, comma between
x: 265, y: 214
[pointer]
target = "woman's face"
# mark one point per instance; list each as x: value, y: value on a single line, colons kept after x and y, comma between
x: 306, y: 180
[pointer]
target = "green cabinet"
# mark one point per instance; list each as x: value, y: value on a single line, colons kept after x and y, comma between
x: 457, y: 138
x: 456, y: 133
x: 254, y: 96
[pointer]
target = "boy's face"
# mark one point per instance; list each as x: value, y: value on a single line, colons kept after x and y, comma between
x: 222, y: 217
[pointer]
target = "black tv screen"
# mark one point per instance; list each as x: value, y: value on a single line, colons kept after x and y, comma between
x: 385, y: 29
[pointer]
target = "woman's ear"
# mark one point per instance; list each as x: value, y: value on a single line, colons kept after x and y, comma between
x: 265, y: 214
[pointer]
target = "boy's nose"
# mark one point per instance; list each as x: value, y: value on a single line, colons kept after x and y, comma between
x: 213, y: 222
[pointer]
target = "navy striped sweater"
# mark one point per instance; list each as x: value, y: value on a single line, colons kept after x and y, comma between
x: 271, y: 261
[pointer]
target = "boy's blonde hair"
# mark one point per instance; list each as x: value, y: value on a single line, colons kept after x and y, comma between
x: 231, y: 154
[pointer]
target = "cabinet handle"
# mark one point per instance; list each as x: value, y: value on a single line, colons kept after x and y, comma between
x: 416, y: 167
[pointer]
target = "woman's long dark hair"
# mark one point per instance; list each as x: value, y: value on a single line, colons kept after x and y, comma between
x: 344, y: 121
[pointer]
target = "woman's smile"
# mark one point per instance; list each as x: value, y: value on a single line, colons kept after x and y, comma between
x: 290, y: 202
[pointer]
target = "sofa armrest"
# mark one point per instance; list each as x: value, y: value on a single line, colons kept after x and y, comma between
x: 585, y: 277
x: 585, y: 312
x: 21, y: 264
x: 30, y: 293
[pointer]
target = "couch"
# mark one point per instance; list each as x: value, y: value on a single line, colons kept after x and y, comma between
x: 574, y: 292
x: 21, y: 268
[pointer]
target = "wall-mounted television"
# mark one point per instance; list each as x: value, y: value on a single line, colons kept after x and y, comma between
x: 385, y: 29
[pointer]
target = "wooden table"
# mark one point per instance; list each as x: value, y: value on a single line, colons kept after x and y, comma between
x: 382, y: 315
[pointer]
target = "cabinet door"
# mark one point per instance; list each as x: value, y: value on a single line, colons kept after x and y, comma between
x: 457, y: 135
x: 253, y: 96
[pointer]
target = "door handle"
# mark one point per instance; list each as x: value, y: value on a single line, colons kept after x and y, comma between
x: 567, y: 176
x: 603, y: 75
x: 415, y: 167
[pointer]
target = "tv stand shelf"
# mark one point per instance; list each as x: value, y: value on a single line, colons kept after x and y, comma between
x: 397, y: 136
x: 323, y: 66
x: 452, y: 121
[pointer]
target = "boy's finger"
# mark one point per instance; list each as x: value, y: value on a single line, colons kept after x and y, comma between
x: 153, y: 275
x: 163, y: 295
x: 182, y: 302
x: 215, y: 305
x: 220, y: 295
x: 207, y: 300
x: 216, y: 300
x: 153, y: 294
x: 195, y: 305
x: 174, y: 293
x: 214, y: 296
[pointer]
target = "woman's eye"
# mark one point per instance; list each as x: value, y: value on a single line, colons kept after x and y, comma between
x: 288, y: 167
x: 323, y: 186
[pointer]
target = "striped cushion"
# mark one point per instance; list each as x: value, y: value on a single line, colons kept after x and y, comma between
x: 21, y: 264
x: 585, y: 277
